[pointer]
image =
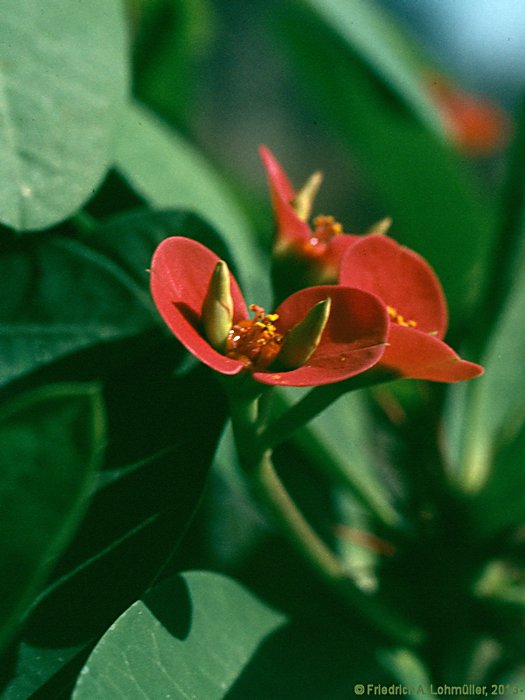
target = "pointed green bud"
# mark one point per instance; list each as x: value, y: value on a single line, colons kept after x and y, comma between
x: 217, y: 307
x: 304, y: 198
x: 381, y: 226
x: 302, y: 340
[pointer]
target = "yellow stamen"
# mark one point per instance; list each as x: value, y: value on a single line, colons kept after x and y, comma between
x: 255, y: 342
x: 399, y: 319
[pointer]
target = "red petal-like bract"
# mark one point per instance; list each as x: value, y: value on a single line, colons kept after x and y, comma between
x: 290, y: 227
x: 181, y: 270
x: 295, y: 236
x: 404, y: 281
x: 400, y: 277
x: 477, y: 125
x: 416, y: 355
x: 352, y: 341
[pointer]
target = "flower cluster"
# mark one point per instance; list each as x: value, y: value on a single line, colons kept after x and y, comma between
x: 387, y: 313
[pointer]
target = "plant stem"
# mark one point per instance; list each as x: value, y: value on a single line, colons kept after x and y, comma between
x: 319, y: 398
x: 295, y: 527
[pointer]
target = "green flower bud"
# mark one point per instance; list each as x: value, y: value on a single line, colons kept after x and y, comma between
x: 217, y: 308
x: 302, y: 340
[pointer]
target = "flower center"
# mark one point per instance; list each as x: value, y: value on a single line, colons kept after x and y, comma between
x: 255, y: 342
x: 325, y: 228
x: 397, y: 318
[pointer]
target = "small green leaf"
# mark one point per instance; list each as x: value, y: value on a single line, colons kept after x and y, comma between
x: 51, y: 445
x: 168, y: 172
x: 63, y: 82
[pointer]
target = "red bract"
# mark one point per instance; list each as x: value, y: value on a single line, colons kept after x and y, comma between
x: 351, y: 342
x: 476, y: 125
x: 322, y: 245
x: 411, y: 291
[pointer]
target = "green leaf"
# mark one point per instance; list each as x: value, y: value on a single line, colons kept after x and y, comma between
x: 60, y: 296
x: 381, y: 44
x: 171, y: 39
x: 51, y: 445
x: 203, y: 635
x: 190, y: 636
x: 63, y: 82
x: 370, y: 96
x: 169, y: 172
x: 486, y: 415
x: 130, y: 239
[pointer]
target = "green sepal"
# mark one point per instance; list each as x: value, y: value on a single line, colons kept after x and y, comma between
x: 302, y: 340
x: 217, y: 308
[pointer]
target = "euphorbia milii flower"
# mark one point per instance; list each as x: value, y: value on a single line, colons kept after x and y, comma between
x: 476, y: 125
x: 317, y: 336
x: 416, y: 305
x: 317, y: 249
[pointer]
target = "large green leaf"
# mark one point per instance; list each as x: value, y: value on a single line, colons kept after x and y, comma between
x: 169, y: 172
x: 203, y: 635
x: 51, y: 445
x: 63, y: 82
x: 422, y: 182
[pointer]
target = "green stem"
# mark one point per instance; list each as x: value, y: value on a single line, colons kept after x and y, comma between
x: 319, y: 398
x: 244, y: 414
x: 293, y: 524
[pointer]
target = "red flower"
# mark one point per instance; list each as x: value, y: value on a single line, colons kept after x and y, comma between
x: 476, y: 125
x: 351, y: 337
x: 412, y: 293
x: 320, y: 247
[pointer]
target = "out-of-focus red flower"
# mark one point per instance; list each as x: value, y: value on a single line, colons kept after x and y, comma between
x: 476, y: 125
x: 319, y: 246
x: 351, y: 341
x: 416, y: 305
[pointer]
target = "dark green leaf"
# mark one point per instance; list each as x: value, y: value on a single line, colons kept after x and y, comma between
x: 51, y: 444
x: 64, y: 82
x: 171, y: 38
x: 60, y: 296
x: 168, y: 172
x: 422, y: 182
